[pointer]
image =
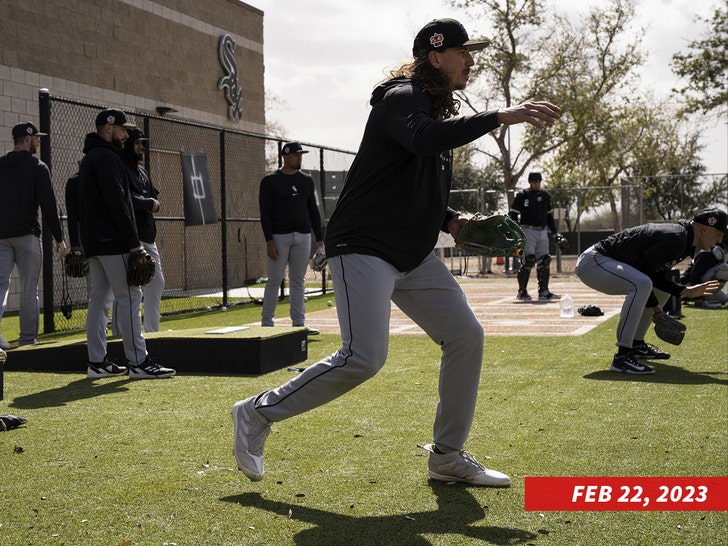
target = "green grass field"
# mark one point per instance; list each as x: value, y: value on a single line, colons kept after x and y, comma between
x: 116, y: 461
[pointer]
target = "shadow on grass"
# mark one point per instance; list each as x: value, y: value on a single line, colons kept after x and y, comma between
x: 456, y: 510
x: 76, y: 390
x: 664, y: 373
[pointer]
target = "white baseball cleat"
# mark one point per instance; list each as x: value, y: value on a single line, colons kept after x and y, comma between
x: 251, y: 431
x: 461, y: 466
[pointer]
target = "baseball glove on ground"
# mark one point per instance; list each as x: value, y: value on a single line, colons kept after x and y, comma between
x: 8, y: 422
x: 75, y: 264
x: 668, y: 329
x: 495, y: 235
x: 590, y: 311
x: 140, y: 268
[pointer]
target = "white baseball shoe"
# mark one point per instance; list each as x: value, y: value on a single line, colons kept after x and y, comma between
x: 251, y: 431
x: 461, y: 466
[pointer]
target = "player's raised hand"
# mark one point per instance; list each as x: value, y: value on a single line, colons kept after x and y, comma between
x: 537, y: 113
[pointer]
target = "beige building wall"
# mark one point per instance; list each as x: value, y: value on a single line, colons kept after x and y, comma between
x: 130, y: 54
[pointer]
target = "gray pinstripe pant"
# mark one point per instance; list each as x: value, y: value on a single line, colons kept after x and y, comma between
x: 613, y: 277
x: 364, y: 287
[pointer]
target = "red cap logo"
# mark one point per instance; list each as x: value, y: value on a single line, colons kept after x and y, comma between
x: 437, y: 39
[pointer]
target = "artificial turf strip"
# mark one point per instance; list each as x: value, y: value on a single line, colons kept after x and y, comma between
x: 116, y: 461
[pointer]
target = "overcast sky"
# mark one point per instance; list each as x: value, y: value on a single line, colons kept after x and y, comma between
x: 323, y: 57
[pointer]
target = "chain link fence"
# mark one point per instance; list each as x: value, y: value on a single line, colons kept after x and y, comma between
x: 214, y: 265
x: 205, y: 266
x: 585, y: 215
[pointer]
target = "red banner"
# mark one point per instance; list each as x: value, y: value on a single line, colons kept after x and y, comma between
x: 629, y: 493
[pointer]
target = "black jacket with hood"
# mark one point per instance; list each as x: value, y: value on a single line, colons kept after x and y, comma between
x: 106, y: 212
x: 144, y: 195
x: 394, y: 200
x: 25, y: 184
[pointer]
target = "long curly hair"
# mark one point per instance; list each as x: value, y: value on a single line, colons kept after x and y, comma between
x: 433, y: 82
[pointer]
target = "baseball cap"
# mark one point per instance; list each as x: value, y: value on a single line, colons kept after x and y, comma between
x: 712, y: 217
x: 439, y: 34
x: 534, y: 177
x: 26, y: 129
x: 112, y: 117
x: 293, y: 148
x: 136, y: 134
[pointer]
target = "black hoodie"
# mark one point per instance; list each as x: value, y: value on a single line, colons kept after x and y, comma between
x: 143, y: 194
x: 394, y: 200
x: 25, y: 184
x: 105, y: 208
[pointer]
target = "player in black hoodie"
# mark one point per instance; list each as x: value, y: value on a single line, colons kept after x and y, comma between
x: 25, y: 185
x: 108, y: 236
x: 380, y: 240
x: 145, y: 199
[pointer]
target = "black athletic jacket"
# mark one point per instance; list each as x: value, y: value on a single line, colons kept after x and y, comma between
x: 25, y: 184
x: 653, y: 249
x: 106, y: 212
x: 143, y: 194
x: 394, y: 200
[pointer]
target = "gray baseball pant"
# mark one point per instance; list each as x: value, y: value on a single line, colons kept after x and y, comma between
x: 152, y: 295
x: 537, y: 242
x: 613, y: 277
x: 108, y: 274
x: 25, y: 252
x: 294, y: 250
x: 364, y: 287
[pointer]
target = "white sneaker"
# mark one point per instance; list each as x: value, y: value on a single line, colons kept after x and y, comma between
x: 4, y: 344
x: 251, y: 431
x: 461, y: 466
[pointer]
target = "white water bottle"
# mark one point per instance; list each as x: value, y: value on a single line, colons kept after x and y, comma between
x: 566, y: 307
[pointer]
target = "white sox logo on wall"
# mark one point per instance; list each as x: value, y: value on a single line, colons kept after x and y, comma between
x: 437, y: 39
x: 229, y: 82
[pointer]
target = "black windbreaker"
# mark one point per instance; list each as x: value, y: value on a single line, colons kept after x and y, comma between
x: 653, y: 249
x: 394, y: 200
x: 143, y: 193
x: 25, y: 184
x: 106, y: 213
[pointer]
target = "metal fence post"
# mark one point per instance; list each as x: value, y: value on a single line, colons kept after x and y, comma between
x: 223, y: 220
x: 44, y: 112
x: 322, y: 188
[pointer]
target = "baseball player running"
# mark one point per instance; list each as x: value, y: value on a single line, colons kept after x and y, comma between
x: 635, y: 262
x: 379, y: 242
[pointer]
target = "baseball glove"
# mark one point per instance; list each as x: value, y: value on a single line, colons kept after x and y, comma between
x: 590, y: 311
x: 495, y: 235
x: 668, y: 329
x: 561, y: 242
x: 318, y: 261
x: 140, y: 268
x: 75, y: 264
x: 8, y: 422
